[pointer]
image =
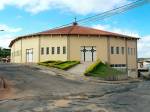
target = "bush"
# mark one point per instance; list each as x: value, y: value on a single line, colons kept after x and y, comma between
x: 102, y: 70
x: 43, y: 64
x: 92, y: 67
x: 64, y: 65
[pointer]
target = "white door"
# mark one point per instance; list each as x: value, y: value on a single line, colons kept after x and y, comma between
x: 94, y: 53
x: 88, y: 53
x: 29, y: 55
x: 82, y: 54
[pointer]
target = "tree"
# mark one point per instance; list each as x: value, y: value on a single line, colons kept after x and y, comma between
x: 4, y: 52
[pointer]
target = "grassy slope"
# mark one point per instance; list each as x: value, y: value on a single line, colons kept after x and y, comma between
x: 102, y: 70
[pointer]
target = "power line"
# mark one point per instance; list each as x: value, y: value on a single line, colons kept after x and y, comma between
x: 114, y: 11
x: 110, y: 13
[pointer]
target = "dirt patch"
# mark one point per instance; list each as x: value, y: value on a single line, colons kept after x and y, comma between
x: 62, y: 103
x: 5, y: 89
x: 91, y: 108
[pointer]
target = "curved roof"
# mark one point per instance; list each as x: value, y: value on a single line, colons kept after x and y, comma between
x: 74, y: 30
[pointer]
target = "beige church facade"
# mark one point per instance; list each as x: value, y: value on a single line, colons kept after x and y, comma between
x: 76, y: 43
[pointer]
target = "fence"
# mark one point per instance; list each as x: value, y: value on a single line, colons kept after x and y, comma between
x: 116, y: 77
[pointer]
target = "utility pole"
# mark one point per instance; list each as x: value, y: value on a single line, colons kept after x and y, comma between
x: 0, y: 46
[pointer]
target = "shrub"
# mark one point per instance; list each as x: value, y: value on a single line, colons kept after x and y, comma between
x: 92, y: 67
x: 43, y: 64
x: 64, y: 65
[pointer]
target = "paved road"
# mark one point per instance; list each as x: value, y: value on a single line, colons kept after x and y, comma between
x: 34, y: 91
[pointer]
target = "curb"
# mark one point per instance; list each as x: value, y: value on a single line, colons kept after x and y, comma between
x: 70, y: 76
x: 116, y: 82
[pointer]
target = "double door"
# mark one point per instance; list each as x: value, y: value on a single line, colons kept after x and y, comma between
x: 88, y: 53
x: 29, y: 55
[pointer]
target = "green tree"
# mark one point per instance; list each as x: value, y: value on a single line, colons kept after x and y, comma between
x: 4, y: 52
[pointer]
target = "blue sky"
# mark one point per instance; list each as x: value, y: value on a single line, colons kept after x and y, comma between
x: 29, y: 16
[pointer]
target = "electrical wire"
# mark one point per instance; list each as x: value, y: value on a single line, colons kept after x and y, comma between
x: 109, y: 13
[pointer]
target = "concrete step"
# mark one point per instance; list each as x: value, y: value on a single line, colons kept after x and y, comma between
x: 80, y: 68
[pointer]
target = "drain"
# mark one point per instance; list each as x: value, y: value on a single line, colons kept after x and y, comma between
x: 3, y: 84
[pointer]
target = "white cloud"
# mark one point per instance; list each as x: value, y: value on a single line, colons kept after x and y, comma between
x: 117, y: 30
x: 76, y: 6
x: 144, y: 47
x: 5, y: 40
x: 143, y: 43
x: 8, y: 35
x: 9, y: 29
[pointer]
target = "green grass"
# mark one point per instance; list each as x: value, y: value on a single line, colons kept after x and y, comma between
x: 102, y: 70
x: 64, y: 65
x: 92, y: 67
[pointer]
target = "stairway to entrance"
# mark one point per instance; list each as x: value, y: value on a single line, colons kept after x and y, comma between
x: 80, y: 68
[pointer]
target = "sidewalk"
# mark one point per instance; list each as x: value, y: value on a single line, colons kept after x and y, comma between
x: 59, y: 72
x: 71, y: 76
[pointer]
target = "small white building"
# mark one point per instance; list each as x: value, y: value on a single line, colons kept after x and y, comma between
x: 144, y: 63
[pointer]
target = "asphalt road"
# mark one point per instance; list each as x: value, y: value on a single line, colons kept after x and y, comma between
x: 34, y: 91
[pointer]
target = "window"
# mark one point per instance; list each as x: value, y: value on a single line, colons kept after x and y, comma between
x: 112, y: 50
x: 47, y: 50
x: 123, y: 65
x: 64, y: 50
x: 58, y: 50
x: 42, y: 50
x: 131, y: 51
x: 122, y: 50
x: 117, y: 50
x: 118, y: 65
x: 128, y: 51
x: 112, y: 65
x: 53, y: 50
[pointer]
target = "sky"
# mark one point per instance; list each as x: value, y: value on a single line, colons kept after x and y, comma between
x: 29, y: 16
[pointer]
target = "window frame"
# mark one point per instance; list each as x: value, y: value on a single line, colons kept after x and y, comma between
x: 117, y: 50
x: 64, y: 50
x: 131, y: 51
x: 58, y: 50
x: 47, y: 50
x: 128, y: 51
x: 123, y: 50
x: 42, y: 50
x: 53, y: 50
x: 112, y: 50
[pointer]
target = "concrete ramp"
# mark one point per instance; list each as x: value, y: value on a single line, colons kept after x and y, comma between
x: 80, y: 68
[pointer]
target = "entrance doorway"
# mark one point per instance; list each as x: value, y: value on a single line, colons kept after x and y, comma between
x: 88, y: 53
x: 29, y: 55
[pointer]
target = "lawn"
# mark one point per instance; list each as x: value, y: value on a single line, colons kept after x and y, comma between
x: 64, y: 65
x: 102, y: 70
